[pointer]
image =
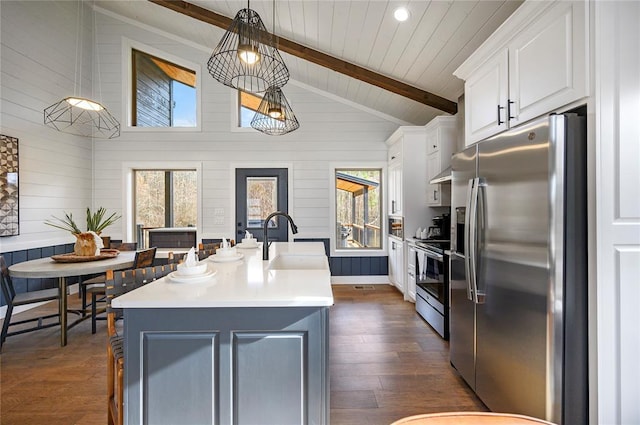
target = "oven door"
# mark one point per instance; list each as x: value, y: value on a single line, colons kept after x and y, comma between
x: 430, y: 274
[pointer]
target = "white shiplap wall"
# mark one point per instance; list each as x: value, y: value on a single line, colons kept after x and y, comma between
x: 38, y: 54
x: 331, y: 131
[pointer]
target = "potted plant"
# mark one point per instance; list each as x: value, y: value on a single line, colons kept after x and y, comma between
x: 87, y: 242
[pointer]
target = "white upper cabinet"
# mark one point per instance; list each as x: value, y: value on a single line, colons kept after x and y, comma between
x: 548, y: 62
x: 486, y: 97
x: 535, y: 63
x: 441, y: 136
x: 395, y: 188
x: 406, y: 174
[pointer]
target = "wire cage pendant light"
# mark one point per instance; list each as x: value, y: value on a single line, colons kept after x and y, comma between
x: 274, y: 115
x: 245, y: 58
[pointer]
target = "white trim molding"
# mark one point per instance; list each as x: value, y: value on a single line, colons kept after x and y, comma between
x: 127, y: 99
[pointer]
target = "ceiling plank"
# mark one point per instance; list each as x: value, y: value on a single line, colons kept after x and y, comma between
x: 319, y: 58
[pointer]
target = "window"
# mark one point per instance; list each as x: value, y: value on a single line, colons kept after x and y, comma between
x: 163, y: 93
x: 247, y: 106
x: 166, y: 198
x: 358, y: 208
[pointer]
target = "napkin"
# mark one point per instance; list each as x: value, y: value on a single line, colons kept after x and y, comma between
x: 247, y: 235
x: 98, y: 240
x: 225, y: 244
x: 191, y: 260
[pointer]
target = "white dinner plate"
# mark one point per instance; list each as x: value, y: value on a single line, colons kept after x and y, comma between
x: 178, y: 278
x: 243, y: 246
x: 225, y: 258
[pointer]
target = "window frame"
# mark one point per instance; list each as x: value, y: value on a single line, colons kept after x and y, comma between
x: 128, y: 192
x: 357, y: 252
x: 168, y: 179
x: 235, y: 114
x: 128, y: 46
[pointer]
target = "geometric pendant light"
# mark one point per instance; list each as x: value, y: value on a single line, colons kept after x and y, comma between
x: 245, y: 57
x: 78, y: 115
x: 274, y: 115
x: 82, y: 117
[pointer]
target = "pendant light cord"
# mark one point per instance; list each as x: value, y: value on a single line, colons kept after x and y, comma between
x: 95, y: 44
x: 273, y: 34
x: 78, y: 49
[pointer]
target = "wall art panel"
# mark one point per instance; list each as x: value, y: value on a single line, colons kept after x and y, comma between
x: 9, y: 209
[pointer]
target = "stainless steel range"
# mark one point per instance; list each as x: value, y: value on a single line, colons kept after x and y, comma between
x: 432, y: 283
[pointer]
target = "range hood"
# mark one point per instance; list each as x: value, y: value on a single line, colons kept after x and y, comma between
x: 443, y: 177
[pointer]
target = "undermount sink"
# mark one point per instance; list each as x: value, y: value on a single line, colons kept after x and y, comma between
x: 299, y: 262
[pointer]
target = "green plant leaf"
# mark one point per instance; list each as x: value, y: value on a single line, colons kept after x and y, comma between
x: 66, y: 223
x: 96, y: 222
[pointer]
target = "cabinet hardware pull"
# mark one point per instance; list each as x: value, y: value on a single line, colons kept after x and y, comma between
x: 509, y: 109
x: 435, y: 195
x: 499, y: 120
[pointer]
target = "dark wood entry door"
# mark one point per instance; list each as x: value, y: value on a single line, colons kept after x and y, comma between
x: 259, y: 192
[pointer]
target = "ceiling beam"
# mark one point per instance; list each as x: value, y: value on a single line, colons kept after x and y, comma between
x: 322, y: 59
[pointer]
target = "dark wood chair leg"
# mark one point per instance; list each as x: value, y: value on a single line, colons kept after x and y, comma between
x: 82, y: 290
x: 5, y: 324
x: 94, y: 301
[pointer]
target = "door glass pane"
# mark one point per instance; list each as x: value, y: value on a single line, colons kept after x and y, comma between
x: 262, y: 200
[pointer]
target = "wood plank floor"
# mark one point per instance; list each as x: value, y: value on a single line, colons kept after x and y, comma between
x: 386, y: 363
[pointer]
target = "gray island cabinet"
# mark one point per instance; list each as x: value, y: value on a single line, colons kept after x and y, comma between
x: 247, y: 345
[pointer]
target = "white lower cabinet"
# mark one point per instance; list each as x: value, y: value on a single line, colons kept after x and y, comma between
x: 396, y: 263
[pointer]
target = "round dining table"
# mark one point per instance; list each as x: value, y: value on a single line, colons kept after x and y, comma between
x: 470, y: 418
x: 48, y: 268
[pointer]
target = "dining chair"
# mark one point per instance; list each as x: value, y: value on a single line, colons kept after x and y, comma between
x: 14, y: 299
x: 213, y: 245
x: 98, y: 281
x: 143, y: 258
x: 116, y: 284
x: 206, y: 252
x: 172, y: 258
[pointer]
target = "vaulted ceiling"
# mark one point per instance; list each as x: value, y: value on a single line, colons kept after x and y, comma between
x: 421, y: 52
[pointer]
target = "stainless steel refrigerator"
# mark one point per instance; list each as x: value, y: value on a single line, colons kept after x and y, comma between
x: 518, y: 272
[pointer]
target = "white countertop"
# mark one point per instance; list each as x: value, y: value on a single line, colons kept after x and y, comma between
x: 244, y: 283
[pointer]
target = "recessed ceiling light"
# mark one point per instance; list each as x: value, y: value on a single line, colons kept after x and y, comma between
x: 401, y: 14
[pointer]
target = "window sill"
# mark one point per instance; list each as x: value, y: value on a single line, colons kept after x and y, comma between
x: 161, y: 129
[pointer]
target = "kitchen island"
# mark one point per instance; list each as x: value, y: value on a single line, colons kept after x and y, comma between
x: 248, y: 345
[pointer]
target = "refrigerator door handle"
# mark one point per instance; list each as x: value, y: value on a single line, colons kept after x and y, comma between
x: 478, y: 292
x: 469, y: 272
x: 476, y: 296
